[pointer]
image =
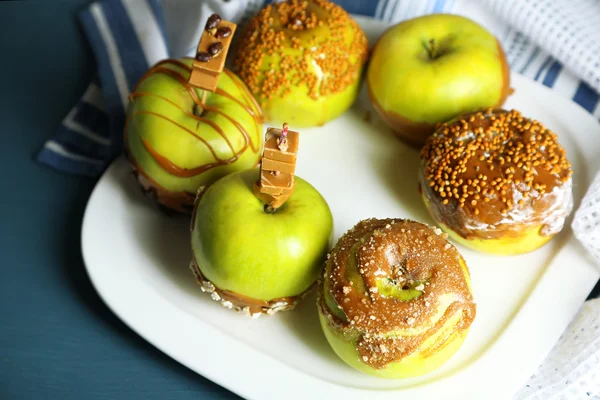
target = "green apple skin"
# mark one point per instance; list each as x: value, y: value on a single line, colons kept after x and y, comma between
x: 292, y: 102
x: 298, y: 109
x: 413, y: 90
x: 167, y: 134
x: 241, y: 248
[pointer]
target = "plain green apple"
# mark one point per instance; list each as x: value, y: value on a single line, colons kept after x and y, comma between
x: 242, y: 248
x: 281, y: 64
x: 164, y: 115
x: 433, y: 68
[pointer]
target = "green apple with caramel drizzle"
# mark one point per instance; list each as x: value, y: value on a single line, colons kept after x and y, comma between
x: 180, y: 139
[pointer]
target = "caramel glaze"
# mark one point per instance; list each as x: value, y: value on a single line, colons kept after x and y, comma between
x: 496, y: 174
x: 406, y: 252
x: 416, y: 133
x: 180, y: 202
x: 184, y: 201
x: 239, y: 302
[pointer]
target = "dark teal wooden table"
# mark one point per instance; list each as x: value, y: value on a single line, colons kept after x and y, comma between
x: 57, y: 339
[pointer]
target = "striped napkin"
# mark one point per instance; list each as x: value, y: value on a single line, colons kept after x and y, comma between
x: 555, y: 42
x: 126, y: 37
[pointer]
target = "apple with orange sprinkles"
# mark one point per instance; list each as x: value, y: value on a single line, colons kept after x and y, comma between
x: 302, y: 60
x: 496, y: 181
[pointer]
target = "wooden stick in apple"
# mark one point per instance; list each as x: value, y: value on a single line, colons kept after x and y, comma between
x: 277, y: 167
x: 211, y: 54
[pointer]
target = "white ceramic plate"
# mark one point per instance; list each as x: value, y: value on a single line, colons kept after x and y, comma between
x: 137, y: 259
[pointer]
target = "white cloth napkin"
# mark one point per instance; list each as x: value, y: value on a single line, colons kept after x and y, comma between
x: 567, y: 29
x: 586, y: 224
x: 572, y: 369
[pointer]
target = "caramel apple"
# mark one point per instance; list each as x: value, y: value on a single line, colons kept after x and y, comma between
x: 395, y: 298
x: 302, y: 60
x: 178, y: 143
x: 259, y: 237
x: 497, y: 181
x: 191, y: 122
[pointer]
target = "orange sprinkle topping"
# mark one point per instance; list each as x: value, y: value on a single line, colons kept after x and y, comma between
x: 322, y: 36
x: 507, y: 151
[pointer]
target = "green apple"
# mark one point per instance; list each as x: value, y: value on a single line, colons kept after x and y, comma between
x: 178, y: 146
x: 302, y: 60
x: 242, y: 248
x: 430, y: 69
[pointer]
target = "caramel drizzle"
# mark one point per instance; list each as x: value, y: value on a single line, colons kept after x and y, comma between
x: 175, y: 201
x: 158, y: 68
x: 207, y: 121
x: 164, y: 162
x: 443, y: 341
x: 244, y: 90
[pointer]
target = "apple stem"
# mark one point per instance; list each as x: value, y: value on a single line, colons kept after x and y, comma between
x: 269, y: 209
x: 198, y: 110
x: 203, y: 97
x: 432, y: 49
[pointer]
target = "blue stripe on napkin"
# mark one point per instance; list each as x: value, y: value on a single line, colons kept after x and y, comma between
x: 96, y: 118
x: 159, y: 17
x: 72, y: 137
x: 544, y: 66
x: 64, y: 159
x: 129, y: 51
x: 108, y: 61
x: 363, y: 7
x: 552, y: 74
x: 586, y: 97
x: 534, y: 54
x: 90, y: 136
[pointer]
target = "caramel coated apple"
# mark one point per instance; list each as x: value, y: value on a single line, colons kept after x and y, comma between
x: 180, y: 139
x: 497, y: 181
x: 395, y: 298
x: 302, y: 60
x: 254, y: 259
